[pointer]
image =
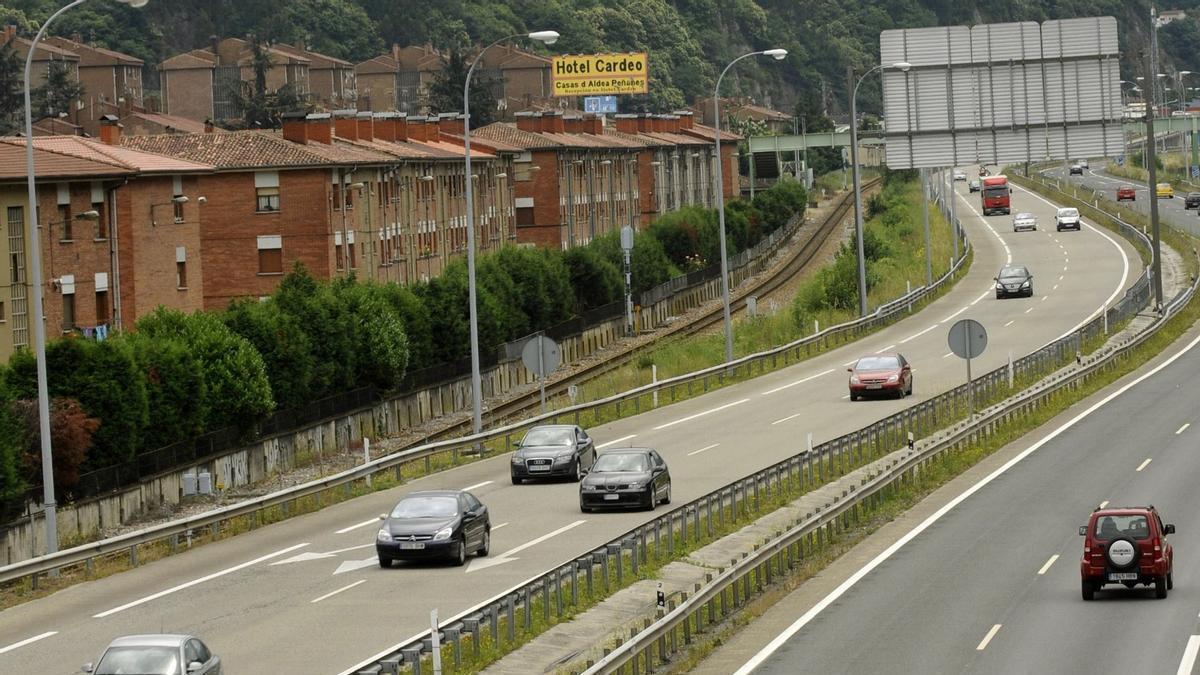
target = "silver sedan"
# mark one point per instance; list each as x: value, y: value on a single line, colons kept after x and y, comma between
x: 1024, y: 221
x: 156, y: 655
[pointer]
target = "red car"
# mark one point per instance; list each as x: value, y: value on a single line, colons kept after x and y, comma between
x: 1125, y: 193
x: 1127, y: 546
x: 881, y: 374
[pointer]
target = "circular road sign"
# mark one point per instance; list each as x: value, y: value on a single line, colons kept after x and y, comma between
x: 541, y: 355
x: 967, y: 339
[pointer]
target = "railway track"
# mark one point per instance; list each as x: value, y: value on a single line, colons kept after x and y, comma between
x: 523, y: 403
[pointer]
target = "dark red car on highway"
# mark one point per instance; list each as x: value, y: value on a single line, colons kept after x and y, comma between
x: 1124, y: 193
x: 881, y: 374
x: 1128, y: 546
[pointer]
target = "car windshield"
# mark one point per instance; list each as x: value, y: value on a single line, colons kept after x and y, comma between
x: 139, y: 660
x: 549, y: 436
x: 425, y: 507
x: 1068, y: 213
x: 877, y: 363
x: 1024, y: 216
x: 1111, y: 527
x: 1013, y: 273
x: 622, y: 461
x: 1193, y: 195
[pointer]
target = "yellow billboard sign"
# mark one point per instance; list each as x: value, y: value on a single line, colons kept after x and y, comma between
x: 593, y: 74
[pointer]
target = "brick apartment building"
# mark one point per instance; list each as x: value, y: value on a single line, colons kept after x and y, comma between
x: 110, y: 80
x: 45, y: 54
x: 105, y: 259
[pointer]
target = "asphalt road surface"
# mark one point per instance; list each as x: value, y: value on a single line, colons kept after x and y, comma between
x: 306, y: 595
x: 993, y: 586
x: 1171, y: 209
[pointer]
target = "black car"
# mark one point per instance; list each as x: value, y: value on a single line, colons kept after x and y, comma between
x: 1076, y: 169
x: 1014, y: 280
x: 1192, y: 200
x: 434, y: 524
x: 561, y: 450
x: 626, y: 477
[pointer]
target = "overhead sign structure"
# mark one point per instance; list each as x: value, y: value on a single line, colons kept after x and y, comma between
x: 1000, y: 93
x: 593, y: 74
x: 600, y: 104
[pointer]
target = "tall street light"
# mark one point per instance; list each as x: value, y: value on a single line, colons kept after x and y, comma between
x: 547, y: 37
x: 35, y: 265
x: 858, y: 219
x: 778, y: 55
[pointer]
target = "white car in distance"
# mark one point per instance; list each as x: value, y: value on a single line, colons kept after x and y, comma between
x: 1067, y: 219
x: 1024, y: 221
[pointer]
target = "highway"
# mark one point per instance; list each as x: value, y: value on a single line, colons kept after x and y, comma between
x: 1097, y: 179
x: 989, y: 583
x: 306, y: 595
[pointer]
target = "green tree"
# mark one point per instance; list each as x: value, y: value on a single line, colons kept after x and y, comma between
x: 12, y: 91
x: 446, y: 90
x: 261, y: 107
x: 382, y: 344
x: 285, y: 347
x: 175, y: 389
x: 445, y: 297
x: 13, y: 483
x: 56, y: 94
x: 596, y: 281
x: 330, y: 327
x: 415, y: 318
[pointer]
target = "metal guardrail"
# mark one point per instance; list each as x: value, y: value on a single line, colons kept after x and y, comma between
x: 468, y: 445
x: 786, y: 549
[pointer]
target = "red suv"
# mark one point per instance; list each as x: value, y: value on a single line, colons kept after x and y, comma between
x: 1126, y: 546
x: 1124, y: 193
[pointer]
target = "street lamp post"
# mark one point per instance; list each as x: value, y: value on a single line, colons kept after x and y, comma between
x: 858, y: 219
x: 35, y: 264
x: 778, y: 55
x: 547, y: 37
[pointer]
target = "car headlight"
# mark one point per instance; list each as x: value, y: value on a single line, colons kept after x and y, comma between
x: 384, y: 535
x: 562, y: 459
x: 517, y: 459
x: 444, y: 533
x: 999, y: 285
x: 893, y: 378
x: 1027, y: 282
x: 853, y: 379
x: 637, y: 484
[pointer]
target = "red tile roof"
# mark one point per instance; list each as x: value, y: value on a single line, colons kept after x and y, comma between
x: 509, y: 133
x: 179, y: 124
x: 52, y: 164
x: 251, y: 150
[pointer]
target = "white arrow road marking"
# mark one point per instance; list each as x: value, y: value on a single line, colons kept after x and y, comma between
x: 484, y: 563
x: 27, y: 641
x: 800, y: 381
x: 700, y: 414
x: 343, y: 588
x: 351, y: 565
x: 195, y: 582
x: 615, y: 441
x: 365, y: 523
x: 313, y: 555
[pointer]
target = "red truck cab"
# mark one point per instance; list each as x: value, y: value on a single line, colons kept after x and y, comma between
x: 1127, y: 546
x: 996, y: 195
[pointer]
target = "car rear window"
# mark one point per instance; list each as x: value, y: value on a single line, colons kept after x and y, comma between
x: 877, y: 363
x: 622, y: 461
x: 1111, y: 527
x: 549, y: 436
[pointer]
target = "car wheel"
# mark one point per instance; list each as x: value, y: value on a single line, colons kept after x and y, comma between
x: 667, y: 496
x: 1160, y: 587
x: 578, y: 471
x: 486, y: 546
x: 385, y: 561
x: 582, y: 508
x: 853, y: 396
x: 910, y: 386
x: 1089, y: 589
x: 515, y: 480
x: 460, y: 552
x: 651, y: 499
x: 1170, y: 581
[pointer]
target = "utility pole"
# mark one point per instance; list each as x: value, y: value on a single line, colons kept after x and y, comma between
x: 1152, y: 161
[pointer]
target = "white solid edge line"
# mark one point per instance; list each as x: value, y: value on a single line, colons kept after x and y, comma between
x: 195, y: 582
x: 1145, y: 464
x: 704, y: 449
x: 917, y: 335
x: 838, y: 592
x: 800, y: 381
x: 988, y: 638
x: 1189, y: 656
x: 477, y: 485
x: 333, y: 593
x: 789, y: 417
x: 344, y: 530
x: 615, y: 441
x: 700, y: 414
x: 1048, y: 564
x: 1183, y: 428
x: 27, y: 641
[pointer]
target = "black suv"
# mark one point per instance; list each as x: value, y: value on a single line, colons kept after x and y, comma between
x: 1192, y: 200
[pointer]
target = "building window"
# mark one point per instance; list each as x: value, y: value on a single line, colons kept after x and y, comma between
x: 266, y: 187
x: 68, y: 311
x: 179, y: 209
x: 3, y: 316
x: 64, y: 217
x: 16, y: 266
x: 101, y: 221
x: 101, y: 307
x: 181, y: 274
x: 270, y: 254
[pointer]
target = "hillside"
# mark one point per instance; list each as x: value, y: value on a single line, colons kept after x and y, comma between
x: 688, y: 40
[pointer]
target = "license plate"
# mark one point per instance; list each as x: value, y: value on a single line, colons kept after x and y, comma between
x: 412, y: 545
x: 612, y: 497
x: 874, y: 386
x: 1122, y: 576
x: 539, y: 467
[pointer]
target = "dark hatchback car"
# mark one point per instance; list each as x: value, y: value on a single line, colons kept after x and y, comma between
x: 558, y: 450
x: 885, y: 374
x: 1014, y: 280
x: 626, y: 477
x: 1192, y: 200
x: 448, y: 524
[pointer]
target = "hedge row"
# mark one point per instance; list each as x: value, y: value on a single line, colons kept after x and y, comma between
x: 178, y: 375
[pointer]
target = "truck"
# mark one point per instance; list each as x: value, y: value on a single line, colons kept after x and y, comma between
x: 995, y: 195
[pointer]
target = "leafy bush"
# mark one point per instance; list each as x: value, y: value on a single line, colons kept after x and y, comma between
x: 283, y: 343
x: 330, y: 329
x: 596, y: 281
x: 71, y: 431
x: 175, y: 389
x: 382, y: 344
